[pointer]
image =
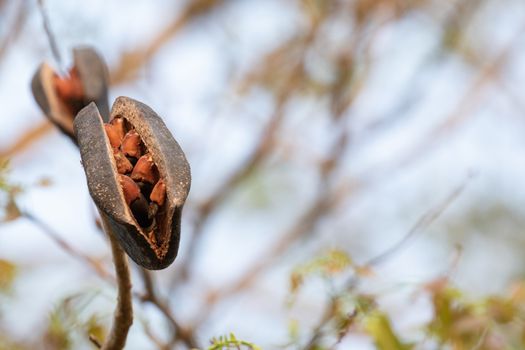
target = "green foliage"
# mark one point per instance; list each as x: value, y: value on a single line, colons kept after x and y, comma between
x: 58, y: 332
x: 346, y: 310
x: 379, y: 328
x: 7, y: 275
x: 93, y: 327
x: 69, y: 325
x: 294, y: 331
x: 327, y: 265
x: 231, y: 342
x: 8, y: 344
x: 4, y: 165
x: 349, y: 308
x: 12, y: 212
x: 494, y: 322
x: 7, y: 200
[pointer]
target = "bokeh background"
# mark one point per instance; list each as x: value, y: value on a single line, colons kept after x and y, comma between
x: 357, y: 164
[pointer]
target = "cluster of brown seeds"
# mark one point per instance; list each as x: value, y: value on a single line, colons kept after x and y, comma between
x: 139, y: 177
x: 70, y: 91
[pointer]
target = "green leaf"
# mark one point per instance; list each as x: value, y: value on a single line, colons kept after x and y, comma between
x: 95, y: 328
x: 10, y: 191
x: 379, y: 328
x: 58, y: 333
x: 8, y: 344
x: 72, y: 322
x: 293, y: 330
x: 231, y: 342
x: 501, y: 310
x: 327, y: 265
x: 4, y: 166
x: 12, y: 212
x: 7, y: 275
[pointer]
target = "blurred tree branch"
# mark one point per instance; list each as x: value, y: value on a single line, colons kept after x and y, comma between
x: 66, y: 247
x: 151, y: 296
x: 131, y: 62
x: 15, y: 29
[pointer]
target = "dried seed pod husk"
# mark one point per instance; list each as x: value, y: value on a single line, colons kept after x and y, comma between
x: 151, y: 248
x: 93, y: 75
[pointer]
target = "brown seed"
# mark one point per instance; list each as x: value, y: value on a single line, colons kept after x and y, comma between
x: 70, y: 91
x: 145, y: 170
x: 124, y: 166
x: 115, y: 130
x: 158, y: 194
x: 119, y: 125
x: 69, y: 88
x: 130, y: 188
x: 131, y: 144
x: 114, y: 138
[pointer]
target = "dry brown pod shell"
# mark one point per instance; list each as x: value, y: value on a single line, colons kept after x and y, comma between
x: 87, y: 82
x: 151, y: 247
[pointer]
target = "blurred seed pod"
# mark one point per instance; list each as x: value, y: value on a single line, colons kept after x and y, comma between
x: 150, y: 237
x: 61, y: 98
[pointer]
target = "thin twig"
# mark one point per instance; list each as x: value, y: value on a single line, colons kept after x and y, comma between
x: 424, y: 221
x: 19, y: 19
x: 50, y: 36
x: 179, y: 332
x: 73, y: 252
x: 154, y: 339
x: 131, y: 62
x: 27, y: 139
x: 123, y: 316
x: 95, y: 341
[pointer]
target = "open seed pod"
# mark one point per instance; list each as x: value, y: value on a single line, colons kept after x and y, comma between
x: 138, y: 176
x: 61, y: 98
